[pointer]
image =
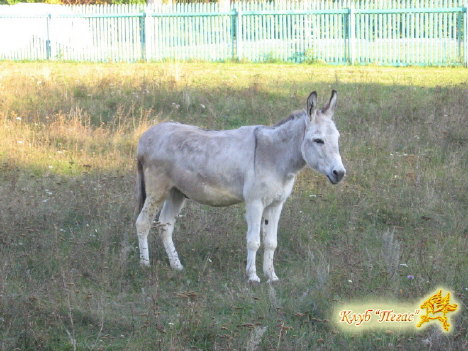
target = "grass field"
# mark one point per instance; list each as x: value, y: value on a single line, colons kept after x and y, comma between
x: 394, y: 229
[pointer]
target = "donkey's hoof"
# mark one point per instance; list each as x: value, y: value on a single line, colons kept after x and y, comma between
x: 273, y: 279
x: 144, y: 263
x: 254, y: 280
x: 177, y: 266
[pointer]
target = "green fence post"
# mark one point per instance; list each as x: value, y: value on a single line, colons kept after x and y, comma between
x: 238, y: 35
x: 465, y: 35
x: 233, y: 33
x: 48, y: 44
x: 459, y: 35
x: 142, y: 20
x: 351, y: 34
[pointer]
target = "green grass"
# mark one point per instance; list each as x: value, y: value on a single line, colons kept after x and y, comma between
x: 67, y: 142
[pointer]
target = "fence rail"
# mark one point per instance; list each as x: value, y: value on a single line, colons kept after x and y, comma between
x: 295, y: 32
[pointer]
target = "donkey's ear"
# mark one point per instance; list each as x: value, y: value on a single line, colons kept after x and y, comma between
x: 329, y: 110
x: 312, y: 104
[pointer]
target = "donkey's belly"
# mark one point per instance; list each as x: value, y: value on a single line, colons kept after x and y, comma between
x: 208, y: 189
x: 212, y: 195
x: 208, y: 184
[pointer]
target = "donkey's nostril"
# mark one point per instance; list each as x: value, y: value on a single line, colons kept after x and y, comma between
x: 338, y: 174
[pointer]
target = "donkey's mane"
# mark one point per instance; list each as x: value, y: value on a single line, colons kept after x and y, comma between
x: 293, y: 116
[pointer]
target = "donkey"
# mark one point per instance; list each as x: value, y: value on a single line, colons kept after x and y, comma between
x: 252, y: 164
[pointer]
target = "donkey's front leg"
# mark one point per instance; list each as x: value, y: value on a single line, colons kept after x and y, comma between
x: 254, y: 218
x: 271, y: 217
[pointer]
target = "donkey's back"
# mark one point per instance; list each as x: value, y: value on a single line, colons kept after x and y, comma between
x: 207, y: 166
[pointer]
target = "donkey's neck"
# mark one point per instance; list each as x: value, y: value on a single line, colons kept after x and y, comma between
x: 284, y: 144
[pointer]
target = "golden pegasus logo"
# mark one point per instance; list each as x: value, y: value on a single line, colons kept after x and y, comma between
x: 437, y: 308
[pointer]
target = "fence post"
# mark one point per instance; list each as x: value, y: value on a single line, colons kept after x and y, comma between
x: 233, y: 17
x: 48, y: 43
x: 142, y: 22
x: 238, y: 34
x: 465, y: 35
x: 351, y: 34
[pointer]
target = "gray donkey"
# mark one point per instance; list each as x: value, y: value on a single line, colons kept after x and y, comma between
x: 253, y: 164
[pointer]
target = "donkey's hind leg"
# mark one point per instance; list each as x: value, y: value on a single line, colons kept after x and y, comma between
x: 143, y: 225
x: 157, y: 189
x: 171, y: 208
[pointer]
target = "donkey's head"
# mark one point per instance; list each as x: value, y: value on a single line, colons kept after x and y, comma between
x: 320, y: 147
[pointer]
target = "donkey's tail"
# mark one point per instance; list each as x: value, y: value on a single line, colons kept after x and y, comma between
x: 140, y: 187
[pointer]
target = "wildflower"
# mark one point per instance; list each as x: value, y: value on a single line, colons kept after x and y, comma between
x: 410, y: 276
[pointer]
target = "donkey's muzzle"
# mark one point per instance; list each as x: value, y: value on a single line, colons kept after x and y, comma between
x: 336, y: 176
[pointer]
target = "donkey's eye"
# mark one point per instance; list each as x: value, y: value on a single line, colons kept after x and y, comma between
x: 319, y: 141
